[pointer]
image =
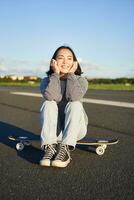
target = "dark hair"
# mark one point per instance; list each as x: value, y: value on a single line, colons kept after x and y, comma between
x: 78, y: 70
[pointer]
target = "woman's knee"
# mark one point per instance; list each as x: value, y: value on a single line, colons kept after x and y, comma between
x: 49, y: 106
x: 74, y: 105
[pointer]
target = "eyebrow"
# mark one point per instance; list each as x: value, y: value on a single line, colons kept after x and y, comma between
x: 63, y: 56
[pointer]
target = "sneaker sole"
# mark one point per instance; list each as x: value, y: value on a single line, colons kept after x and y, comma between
x: 45, y: 164
x: 60, y: 164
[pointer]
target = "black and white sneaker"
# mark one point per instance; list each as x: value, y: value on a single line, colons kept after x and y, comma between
x: 63, y: 157
x: 50, y: 151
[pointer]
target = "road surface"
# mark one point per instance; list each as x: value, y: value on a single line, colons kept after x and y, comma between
x: 89, y: 176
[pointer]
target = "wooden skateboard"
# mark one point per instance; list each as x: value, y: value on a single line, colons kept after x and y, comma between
x: 98, y: 145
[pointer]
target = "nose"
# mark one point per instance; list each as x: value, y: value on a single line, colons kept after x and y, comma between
x: 64, y: 60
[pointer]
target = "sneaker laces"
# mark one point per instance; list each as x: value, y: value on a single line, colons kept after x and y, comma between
x: 62, y: 153
x: 49, y: 151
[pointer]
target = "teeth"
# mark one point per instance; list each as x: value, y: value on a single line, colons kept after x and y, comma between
x: 64, y: 66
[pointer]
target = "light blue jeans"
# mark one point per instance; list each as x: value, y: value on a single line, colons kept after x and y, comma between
x: 75, y: 125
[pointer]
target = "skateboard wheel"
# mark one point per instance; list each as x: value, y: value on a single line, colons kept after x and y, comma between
x: 100, y: 151
x: 104, y: 146
x: 20, y: 146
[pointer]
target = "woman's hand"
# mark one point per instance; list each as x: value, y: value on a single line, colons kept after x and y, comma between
x: 54, y: 66
x: 74, y: 67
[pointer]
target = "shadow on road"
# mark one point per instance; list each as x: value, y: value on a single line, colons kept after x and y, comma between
x: 86, y: 148
x: 31, y: 153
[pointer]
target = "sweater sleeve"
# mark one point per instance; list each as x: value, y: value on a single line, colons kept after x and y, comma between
x: 50, y: 88
x: 76, y: 87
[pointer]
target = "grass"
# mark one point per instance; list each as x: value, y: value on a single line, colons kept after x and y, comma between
x: 91, y: 86
x: 21, y: 84
x: 111, y: 87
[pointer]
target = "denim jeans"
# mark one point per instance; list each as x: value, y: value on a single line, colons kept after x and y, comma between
x: 75, y: 123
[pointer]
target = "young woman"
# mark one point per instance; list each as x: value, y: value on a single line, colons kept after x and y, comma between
x: 62, y: 114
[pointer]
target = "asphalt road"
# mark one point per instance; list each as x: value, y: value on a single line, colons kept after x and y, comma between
x: 89, y: 176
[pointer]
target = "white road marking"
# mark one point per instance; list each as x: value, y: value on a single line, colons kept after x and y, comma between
x: 27, y: 94
x: 110, y: 103
x: 86, y: 100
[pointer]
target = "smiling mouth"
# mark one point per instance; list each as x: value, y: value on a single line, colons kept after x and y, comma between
x: 65, y: 66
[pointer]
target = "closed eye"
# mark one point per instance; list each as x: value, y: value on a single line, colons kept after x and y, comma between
x: 70, y: 58
x: 60, y: 57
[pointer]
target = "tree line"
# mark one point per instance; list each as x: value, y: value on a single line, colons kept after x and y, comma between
x: 92, y: 81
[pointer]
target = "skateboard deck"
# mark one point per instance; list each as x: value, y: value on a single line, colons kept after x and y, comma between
x: 98, y: 145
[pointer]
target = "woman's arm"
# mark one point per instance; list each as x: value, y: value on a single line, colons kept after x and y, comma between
x: 76, y: 87
x: 50, y: 88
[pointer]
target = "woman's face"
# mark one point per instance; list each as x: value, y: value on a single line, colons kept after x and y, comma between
x: 64, y: 60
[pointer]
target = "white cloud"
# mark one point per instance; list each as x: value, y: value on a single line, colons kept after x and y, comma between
x: 22, y: 67
x: 93, y: 70
x: 39, y: 68
x: 3, y: 69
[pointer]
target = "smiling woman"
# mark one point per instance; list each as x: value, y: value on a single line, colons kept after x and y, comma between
x: 63, y: 117
x: 66, y: 60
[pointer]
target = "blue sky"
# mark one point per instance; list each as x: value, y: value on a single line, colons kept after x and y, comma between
x: 101, y: 33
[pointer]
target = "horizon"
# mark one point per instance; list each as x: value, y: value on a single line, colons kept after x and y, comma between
x: 101, y: 33
x: 25, y: 76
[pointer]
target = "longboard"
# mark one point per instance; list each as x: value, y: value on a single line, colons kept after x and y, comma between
x: 99, y: 145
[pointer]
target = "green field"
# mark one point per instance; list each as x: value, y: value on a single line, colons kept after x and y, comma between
x: 111, y: 87
x: 91, y: 86
x: 22, y: 84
